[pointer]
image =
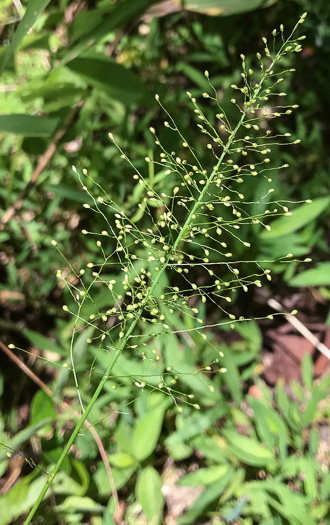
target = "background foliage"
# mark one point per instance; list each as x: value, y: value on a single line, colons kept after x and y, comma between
x: 253, y: 454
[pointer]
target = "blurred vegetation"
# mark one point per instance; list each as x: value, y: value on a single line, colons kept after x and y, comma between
x: 73, y: 73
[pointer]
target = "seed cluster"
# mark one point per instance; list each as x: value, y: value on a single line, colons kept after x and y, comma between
x: 192, y: 255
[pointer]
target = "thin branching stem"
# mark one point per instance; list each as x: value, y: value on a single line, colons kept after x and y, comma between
x: 123, y: 341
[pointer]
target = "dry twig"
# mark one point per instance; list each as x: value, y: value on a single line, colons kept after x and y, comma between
x: 302, y: 329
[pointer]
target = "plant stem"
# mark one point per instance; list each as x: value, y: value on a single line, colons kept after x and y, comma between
x: 123, y: 342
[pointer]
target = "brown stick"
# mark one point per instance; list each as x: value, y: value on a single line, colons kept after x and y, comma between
x: 301, y: 328
x: 88, y: 425
x: 43, y: 162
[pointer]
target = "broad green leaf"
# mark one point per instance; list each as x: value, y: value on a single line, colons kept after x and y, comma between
x: 104, y: 73
x: 313, y: 441
x: 319, y: 276
x: 282, y: 400
x: 79, y: 504
x: 301, y: 216
x: 310, y: 469
x: 307, y: 371
x: 121, y: 460
x: 236, y: 511
x: 146, y: 433
x: 252, y: 334
x: 325, y: 486
x: 247, y: 449
x: 28, y: 125
x: 123, y: 436
x: 120, y: 476
x: 34, y: 9
x: 196, y: 423
x: 18, y: 440
x: 224, y: 7
x: 292, y: 243
x: 236, y: 481
x: 292, y: 505
x: 129, y: 368
x: 4, y: 237
x: 42, y: 407
x: 20, y: 498
x: 271, y: 429
x: 232, y: 377
x: 178, y: 449
x: 189, y: 375
x: 208, y: 447
x: 257, y: 497
x: 44, y: 343
x: 69, y: 193
x: 209, y: 494
x: 52, y: 453
x: 149, y: 494
x: 194, y: 75
x: 87, y: 20
x: 311, y: 407
x: 204, y: 476
x: 320, y: 511
x: 64, y: 484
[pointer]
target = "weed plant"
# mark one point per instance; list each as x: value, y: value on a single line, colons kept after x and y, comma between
x: 141, y: 287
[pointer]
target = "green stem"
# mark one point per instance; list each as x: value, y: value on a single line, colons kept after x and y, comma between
x: 139, y: 313
x: 128, y: 333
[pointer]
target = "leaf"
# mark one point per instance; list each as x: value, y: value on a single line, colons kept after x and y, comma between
x: 120, y: 476
x: 271, y: 429
x: 146, y: 433
x: 75, y: 504
x: 289, y: 244
x: 223, y: 7
x: 194, y: 75
x: 149, y: 494
x: 283, y: 402
x: 311, y: 407
x: 121, y: 13
x: 313, y: 441
x: 24, y: 435
x: 307, y: 371
x: 34, y: 9
x: 236, y: 481
x: 319, y: 276
x: 20, y: 498
x: 291, y: 504
x: 42, y: 407
x: 28, y: 125
x: 204, y: 476
x: 301, y: 216
x: 252, y: 334
x: 236, y: 511
x: 64, y: 484
x: 44, y: 343
x: 121, y: 460
x: 325, y: 486
x: 209, y: 494
x: 69, y: 193
x: 104, y: 73
x: 123, y: 435
x: 309, y: 468
x: 196, y: 424
x: 208, y: 447
x: 232, y: 377
x: 247, y: 449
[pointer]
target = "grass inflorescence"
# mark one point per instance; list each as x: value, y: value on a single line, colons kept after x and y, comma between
x: 194, y: 253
